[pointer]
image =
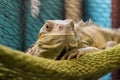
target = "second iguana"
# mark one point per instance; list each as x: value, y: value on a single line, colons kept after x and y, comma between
x: 64, y: 39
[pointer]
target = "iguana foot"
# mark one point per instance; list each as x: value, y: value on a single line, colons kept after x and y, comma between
x: 77, y: 53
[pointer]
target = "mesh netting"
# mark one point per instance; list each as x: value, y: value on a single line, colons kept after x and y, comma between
x: 18, y: 28
x: 10, y: 23
x: 99, y: 11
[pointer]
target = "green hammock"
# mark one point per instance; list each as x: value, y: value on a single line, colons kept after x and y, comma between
x: 15, y: 65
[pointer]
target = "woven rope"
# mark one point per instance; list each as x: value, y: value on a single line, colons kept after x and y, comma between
x: 73, y: 9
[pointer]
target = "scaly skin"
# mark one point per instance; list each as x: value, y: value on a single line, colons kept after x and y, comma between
x: 88, y: 67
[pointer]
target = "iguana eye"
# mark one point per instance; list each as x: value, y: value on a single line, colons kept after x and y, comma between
x: 48, y: 27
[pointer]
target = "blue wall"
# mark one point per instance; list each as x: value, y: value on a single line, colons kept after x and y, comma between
x: 10, y: 23
x: 99, y: 11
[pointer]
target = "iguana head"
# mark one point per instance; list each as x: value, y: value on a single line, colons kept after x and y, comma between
x: 56, y: 37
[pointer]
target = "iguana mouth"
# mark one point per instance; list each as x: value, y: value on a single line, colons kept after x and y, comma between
x: 61, y: 54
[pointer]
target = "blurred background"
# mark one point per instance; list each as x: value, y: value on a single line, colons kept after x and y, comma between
x: 21, y: 20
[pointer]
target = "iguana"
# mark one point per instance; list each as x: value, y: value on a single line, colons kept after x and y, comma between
x: 64, y: 39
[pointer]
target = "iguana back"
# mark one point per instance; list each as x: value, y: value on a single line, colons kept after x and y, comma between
x: 94, y: 35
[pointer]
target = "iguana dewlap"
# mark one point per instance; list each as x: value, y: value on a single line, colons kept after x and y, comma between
x: 59, y: 37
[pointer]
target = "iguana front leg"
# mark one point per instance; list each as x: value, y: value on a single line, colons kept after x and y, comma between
x: 79, y: 52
